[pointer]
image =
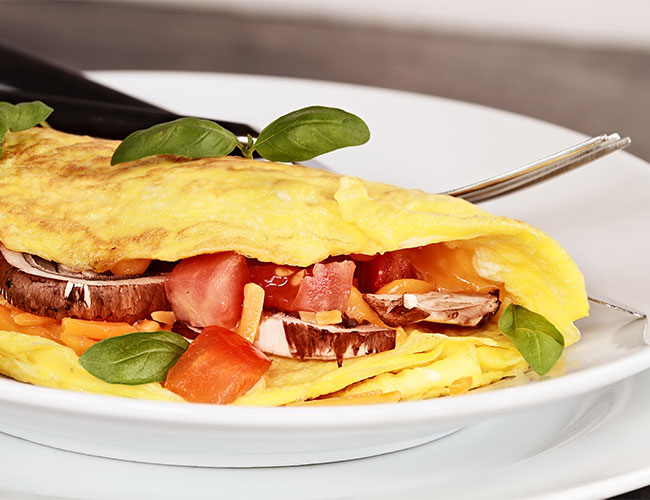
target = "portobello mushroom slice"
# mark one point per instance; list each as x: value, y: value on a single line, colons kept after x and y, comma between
x: 462, y: 309
x: 44, y: 288
x: 290, y: 337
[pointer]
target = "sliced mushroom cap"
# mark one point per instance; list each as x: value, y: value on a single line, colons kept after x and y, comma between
x: 287, y: 336
x: 39, y: 287
x: 462, y: 309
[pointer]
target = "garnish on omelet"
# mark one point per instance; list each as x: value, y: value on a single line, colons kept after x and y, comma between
x: 352, y: 289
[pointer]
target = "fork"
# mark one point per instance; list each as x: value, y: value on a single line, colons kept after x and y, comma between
x: 541, y: 170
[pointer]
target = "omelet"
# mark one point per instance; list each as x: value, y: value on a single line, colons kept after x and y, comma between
x: 61, y: 200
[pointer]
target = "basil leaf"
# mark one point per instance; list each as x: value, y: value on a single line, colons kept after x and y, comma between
x: 134, y: 358
x: 535, y: 337
x: 191, y: 137
x: 303, y: 134
x: 18, y: 117
x: 24, y: 115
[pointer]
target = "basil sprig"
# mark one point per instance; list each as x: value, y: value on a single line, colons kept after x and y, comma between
x: 297, y: 136
x: 535, y: 337
x: 309, y: 132
x: 134, y: 358
x: 18, y: 117
x: 191, y: 137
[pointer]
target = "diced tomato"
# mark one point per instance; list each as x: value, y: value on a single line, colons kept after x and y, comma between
x: 280, y: 284
x: 322, y: 287
x: 326, y: 288
x: 218, y: 367
x: 208, y: 289
x: 383, y: 269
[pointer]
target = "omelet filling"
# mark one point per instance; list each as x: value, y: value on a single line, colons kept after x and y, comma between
x: 426, y: 361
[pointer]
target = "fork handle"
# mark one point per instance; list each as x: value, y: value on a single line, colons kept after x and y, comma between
x: 105, y: 119
x: 24, y: 70
x: 82, y: 106
x: 541, y: 170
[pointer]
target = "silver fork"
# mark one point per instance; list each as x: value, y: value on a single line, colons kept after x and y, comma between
x: 541, y: 170
x: 618, y: 307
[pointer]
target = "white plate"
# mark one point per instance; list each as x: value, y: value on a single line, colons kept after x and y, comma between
x: 589, y: 447
x: 449, y: 143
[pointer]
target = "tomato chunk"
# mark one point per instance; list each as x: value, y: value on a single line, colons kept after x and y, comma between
x: 383, y: 269
x: 322, y: 287
x: 208, y: 289
x: 326, y: 288
x: 280, y: 284
x: 218, y: 367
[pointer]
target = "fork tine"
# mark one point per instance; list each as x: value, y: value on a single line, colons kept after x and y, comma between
x: 543, y: 169
x: 618, y: 307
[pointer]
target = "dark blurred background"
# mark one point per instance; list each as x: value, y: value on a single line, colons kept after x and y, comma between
x: 587, y: 83
x: 593, y: 86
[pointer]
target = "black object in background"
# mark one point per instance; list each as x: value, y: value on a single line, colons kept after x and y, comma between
x: 82, y: 106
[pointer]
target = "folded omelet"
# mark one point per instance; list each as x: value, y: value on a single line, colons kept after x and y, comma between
x: 60, y: 199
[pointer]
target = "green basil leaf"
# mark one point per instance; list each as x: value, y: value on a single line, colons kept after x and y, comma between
x: 134, y: 358
x: 535, y: 337
x: 191, y: 137
x: 18, y: 117
x: 309, y: 132
x: 24, y: 115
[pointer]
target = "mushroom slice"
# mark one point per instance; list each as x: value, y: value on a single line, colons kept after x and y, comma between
x: 462, y: 309
x: 38, y: 286
x: 287, y: 336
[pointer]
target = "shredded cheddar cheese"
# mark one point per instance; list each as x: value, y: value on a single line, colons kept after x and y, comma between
x: 129, y: 267
x: 97, y: 330
x: 147, y: 325
x: 163, y: 317
x: 251, y: 311
x: 28, y: 319
x: 328, y: 317
x: 406, y: 286
x: 359, y: 310
x: 321, y: 318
